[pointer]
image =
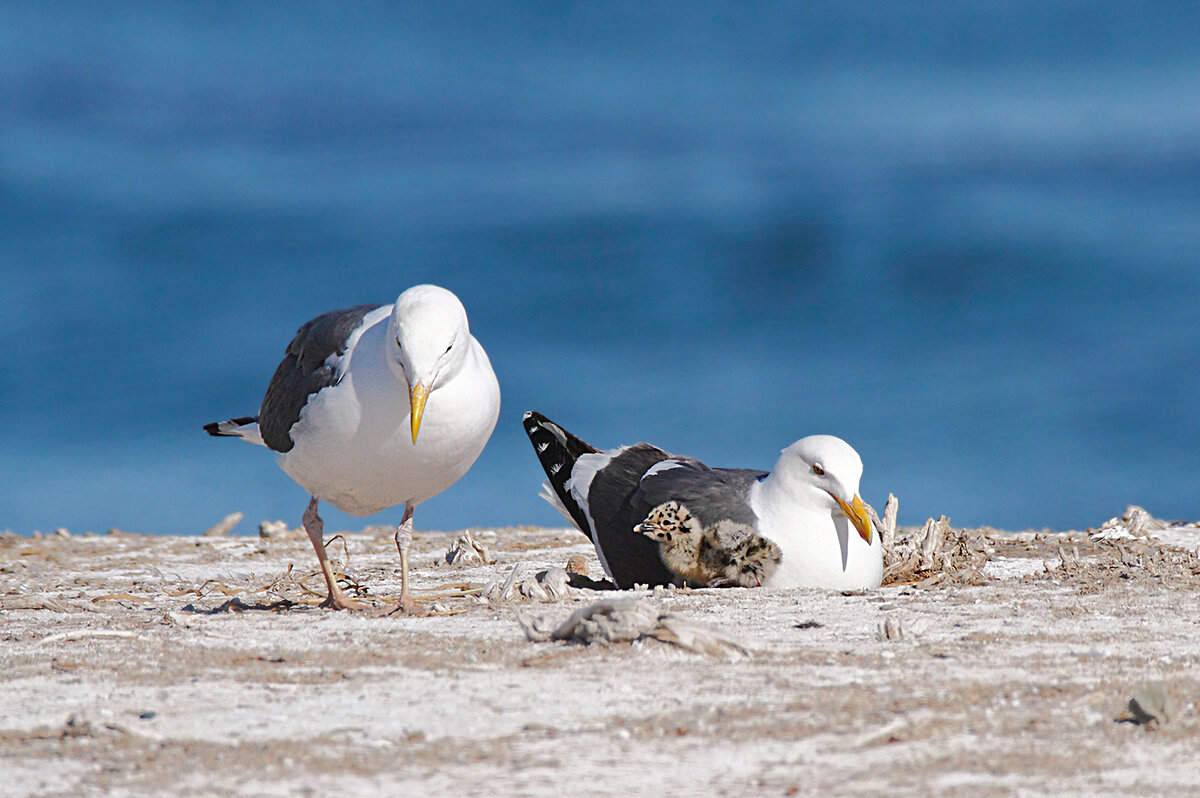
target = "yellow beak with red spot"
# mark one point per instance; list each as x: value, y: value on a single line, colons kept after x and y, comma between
x: 856, y: 511
x: 417, y: 397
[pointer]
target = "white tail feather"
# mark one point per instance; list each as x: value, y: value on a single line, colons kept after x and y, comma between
x: 247, y: 432
x: 552, y: 499
x: 578, y: 485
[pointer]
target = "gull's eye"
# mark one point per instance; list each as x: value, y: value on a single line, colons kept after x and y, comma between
x: 818, y: 470
x: 448, y: 348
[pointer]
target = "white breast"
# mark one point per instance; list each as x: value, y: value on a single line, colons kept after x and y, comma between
x: 353, y: 444
x: 820, y: 549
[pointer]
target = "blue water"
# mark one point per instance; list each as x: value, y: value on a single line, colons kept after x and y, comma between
x: 964, y: 237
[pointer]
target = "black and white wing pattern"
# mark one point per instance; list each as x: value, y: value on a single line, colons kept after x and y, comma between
x: 605, y: 484
x: 607, y: 494
x: 558, y: 451
x: 309, y: 364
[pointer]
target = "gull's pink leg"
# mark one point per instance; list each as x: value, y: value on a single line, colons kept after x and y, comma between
x: 315, y: 528
x: 404, y: 539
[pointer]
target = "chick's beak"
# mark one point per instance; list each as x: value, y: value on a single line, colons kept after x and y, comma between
x: 417, y: 397
x: 856, y: 511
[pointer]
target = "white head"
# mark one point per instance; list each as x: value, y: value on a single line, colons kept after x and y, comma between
x: 826, y: 470
x: 428, y: 338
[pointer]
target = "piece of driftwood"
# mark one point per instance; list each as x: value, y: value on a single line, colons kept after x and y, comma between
x: 626, y: 620
x: 1116, y: 559
x: 935, y: 553
x: 1136, y: 522
x: 80, y: 634
x: 552, y: 584
x: 467, y: 552
x: 271, y: 530
x: 222, y: 527
x: 886, y: 525
x: 41, y: 603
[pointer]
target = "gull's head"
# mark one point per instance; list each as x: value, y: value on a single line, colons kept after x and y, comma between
x: 428, y: 339
x: 828, y: 470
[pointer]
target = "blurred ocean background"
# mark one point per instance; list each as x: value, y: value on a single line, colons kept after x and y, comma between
x: 964, y: 237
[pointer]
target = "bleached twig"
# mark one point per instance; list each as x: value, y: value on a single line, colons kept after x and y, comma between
x: 79, y: 634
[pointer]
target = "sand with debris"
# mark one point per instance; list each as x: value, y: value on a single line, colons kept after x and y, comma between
x: 198, y: 665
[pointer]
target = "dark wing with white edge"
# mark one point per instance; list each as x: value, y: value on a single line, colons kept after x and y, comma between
x: 630, y: 559
x: 308, y: 365
x: 711, y: 495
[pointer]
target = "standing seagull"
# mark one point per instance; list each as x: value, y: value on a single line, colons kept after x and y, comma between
x: 345, y: 406
x: 806, y: 506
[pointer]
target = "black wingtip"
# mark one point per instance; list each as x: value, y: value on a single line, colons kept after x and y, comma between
x: 579, y: 580
x: 225, y: 429
x: 533, y: 421
x: 557, y: 450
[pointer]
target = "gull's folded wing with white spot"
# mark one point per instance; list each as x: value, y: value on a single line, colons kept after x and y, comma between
x: 306, y: 368
x: 631, y: 559
x: 711, y: 495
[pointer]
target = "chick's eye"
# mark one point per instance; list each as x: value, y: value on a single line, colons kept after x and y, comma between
x: 818, y: 470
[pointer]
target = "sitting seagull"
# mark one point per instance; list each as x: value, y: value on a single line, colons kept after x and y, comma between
x: 806, y: 506
x: 345, y: 406
x: 725, y: 555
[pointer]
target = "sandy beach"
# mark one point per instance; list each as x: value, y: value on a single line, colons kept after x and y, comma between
x: 148, y: 665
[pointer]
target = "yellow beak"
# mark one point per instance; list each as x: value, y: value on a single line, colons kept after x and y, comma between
x: 856, y: 511
x: 417, y: 397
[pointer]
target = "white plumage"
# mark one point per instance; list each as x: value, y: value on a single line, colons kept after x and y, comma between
x: 374, y: 407
x: 808, y: 514
x: 808, y: 507
x: 353, y: 442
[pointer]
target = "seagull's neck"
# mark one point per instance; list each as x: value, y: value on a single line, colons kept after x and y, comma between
x: 776, y: 501
x: 819, y: 547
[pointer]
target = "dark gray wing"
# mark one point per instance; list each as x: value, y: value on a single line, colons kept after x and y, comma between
x: 632, y: 558
x: 718, y: 499
x: 304, y: 371
x: 711, y: 495
x: 621, y: 495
